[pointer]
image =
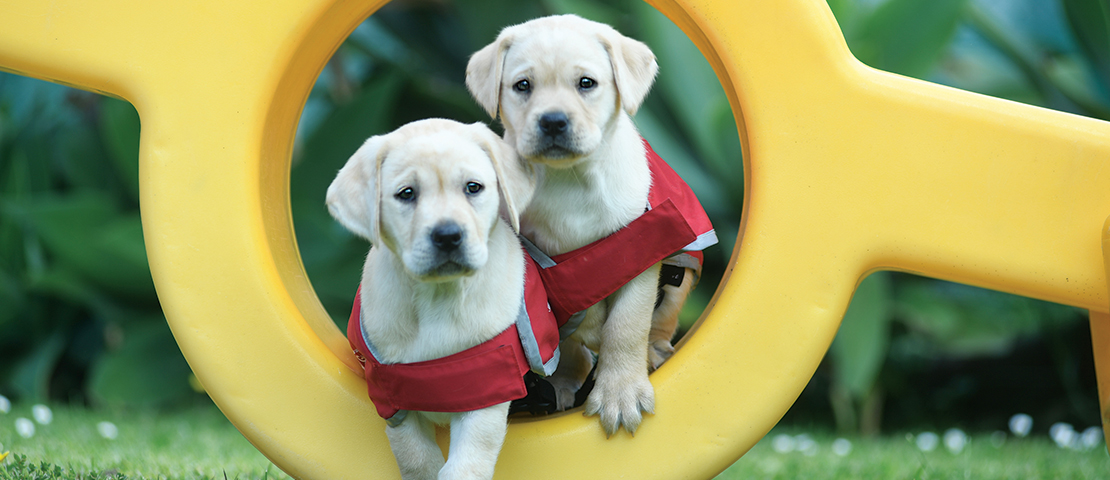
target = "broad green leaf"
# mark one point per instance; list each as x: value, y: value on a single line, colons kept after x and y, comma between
x: 484, y: 19
x: 907, y: 36
x: 1090, y: 20
x: 31, y: 375
x: 79, y: 156
x: 592, y: 10
x: 962, y: 320
x: 120, y: 131
x: 87, y: 234
x: 860, y: 346
x: 147, y: 370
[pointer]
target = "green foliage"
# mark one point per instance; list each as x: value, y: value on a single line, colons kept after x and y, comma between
x: 20, y: 469
x: 76, y: 294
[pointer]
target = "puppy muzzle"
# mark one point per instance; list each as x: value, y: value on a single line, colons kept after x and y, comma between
x: 447, y: 256
x: 554, y: 140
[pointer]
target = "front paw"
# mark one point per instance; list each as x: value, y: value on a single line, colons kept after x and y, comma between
x: 658, y: 352
x: 620, y: 402
x: 565, y: 390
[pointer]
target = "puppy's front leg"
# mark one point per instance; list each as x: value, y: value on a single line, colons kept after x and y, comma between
x: 622, y: 389
x: 476, y: 439
x: 414, y: 445
x: 664, y: 321
x: 575, y: 363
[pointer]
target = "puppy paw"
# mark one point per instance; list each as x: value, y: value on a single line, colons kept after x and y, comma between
x: 620, y: 402
x: 658, y: 352
x: 565, y: 390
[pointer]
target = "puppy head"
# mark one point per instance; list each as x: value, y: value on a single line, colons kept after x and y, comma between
x: 558, y: 83
x: 430, y: 192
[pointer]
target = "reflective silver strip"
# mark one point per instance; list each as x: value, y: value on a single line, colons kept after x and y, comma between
x: 541, y: 258
x: 397, y: 418
x: 545, y: 261
x: 572, y: 324
x: 684, y: 260
x: 369, y: 345
x: 531, y: 345
x: 703, y: 241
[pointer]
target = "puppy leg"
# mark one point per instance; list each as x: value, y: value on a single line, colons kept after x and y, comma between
x: 622, y: 389
x: 664, y: 320
x: 476, y: 439
x: 575, y: 362
x: 414, y: 445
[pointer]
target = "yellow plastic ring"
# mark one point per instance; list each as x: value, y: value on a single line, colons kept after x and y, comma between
x: 848, y: 170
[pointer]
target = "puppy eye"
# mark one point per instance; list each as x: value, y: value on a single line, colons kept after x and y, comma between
x: 523, y: 86
x: 405, y: 194
x: 586, y: 83
x: 473, y: 188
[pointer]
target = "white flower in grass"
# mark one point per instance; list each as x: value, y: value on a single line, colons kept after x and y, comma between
x: 1063, y: 434
x: 1021, y: 424
x: 783, y: 443
x: 5, y: 404
x: 806, y: 445
x: 955, y: 440
x: 107, y: 430
x: 25, y: 428
x: 998, y: 438
x: 927, y: 441
x: 42, y: 414
x: 841, y: 447
x: 1090, y: 438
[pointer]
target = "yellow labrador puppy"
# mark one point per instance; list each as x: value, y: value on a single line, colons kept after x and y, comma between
x: 445, y: 272
x: 564, y: 89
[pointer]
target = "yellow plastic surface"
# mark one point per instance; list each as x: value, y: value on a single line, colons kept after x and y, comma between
x: 848, y: 170
x: 1100, y: 343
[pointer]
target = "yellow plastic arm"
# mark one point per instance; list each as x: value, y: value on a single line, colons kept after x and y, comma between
x: 848, y: 169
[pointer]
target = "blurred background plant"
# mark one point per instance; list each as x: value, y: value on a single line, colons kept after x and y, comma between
x: 79, y: 321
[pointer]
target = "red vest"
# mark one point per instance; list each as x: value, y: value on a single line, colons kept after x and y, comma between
x: 481, y: 376
x: 673, y: 223
x: 492, y: 372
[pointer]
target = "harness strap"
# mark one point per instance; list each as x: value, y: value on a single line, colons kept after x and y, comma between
x: 489, y: 373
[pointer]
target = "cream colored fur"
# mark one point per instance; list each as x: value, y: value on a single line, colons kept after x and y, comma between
x: 594, y: 179
x: 420, y: 304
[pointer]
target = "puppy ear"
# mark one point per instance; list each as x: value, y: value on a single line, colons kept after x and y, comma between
x: 353, y: 198
x: 516, y: 178
x: 483, y: 73
x: 634, y: 68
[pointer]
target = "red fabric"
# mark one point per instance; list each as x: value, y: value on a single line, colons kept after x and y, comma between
x: 484, y: 375
x: 585, y: 276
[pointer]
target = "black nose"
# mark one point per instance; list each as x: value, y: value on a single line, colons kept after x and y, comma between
x: 447, y: 236
x: 554, y: 123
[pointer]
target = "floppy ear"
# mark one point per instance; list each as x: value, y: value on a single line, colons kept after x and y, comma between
x: 353, y: 197
x: 634, y: 68
x: 516, y: 178
x: 483, y: 73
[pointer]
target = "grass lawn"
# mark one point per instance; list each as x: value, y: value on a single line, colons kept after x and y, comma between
x: 199, y: 443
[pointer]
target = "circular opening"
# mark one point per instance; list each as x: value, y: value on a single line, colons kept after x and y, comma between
x: 407, y: 62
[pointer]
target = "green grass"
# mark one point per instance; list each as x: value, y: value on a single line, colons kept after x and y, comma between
x: 896, y: 456
x: 196, y: 443
x: 199, y: 443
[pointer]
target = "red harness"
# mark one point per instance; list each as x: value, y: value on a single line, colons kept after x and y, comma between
x: 674, y: 222
x: 556, y: 289
x: 481, y: 376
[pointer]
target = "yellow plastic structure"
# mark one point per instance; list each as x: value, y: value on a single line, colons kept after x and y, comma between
x: 849, y: 170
